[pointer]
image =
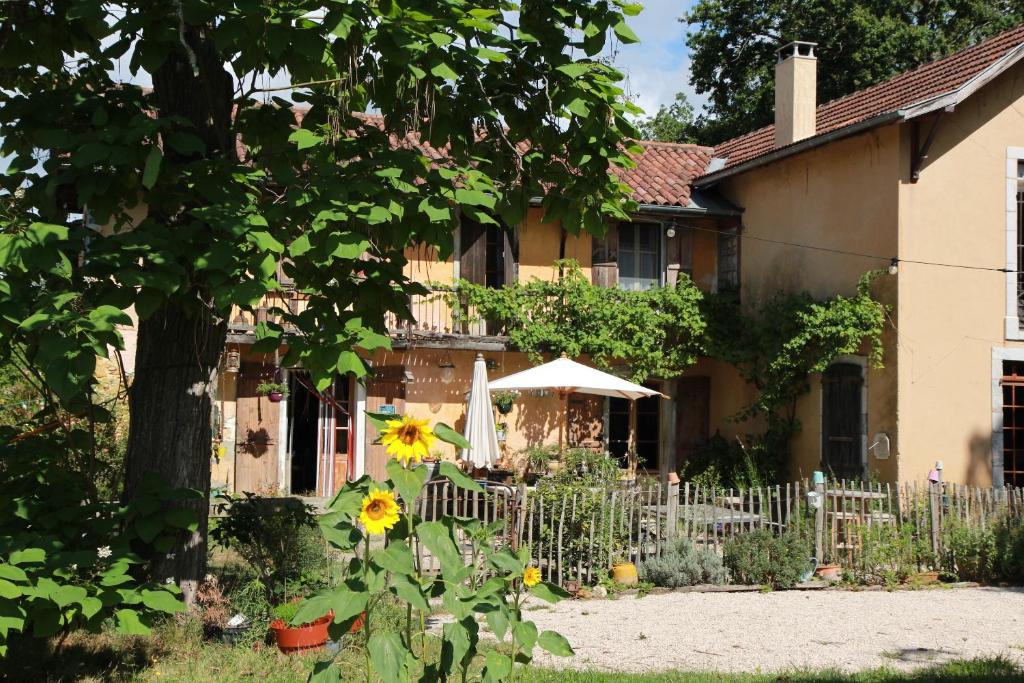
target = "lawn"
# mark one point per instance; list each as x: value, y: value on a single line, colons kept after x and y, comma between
x: 179, y: 653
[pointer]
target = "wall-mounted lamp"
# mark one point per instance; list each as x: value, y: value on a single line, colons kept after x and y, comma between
x: 671, y: 232
x: 894, y: 266
x: 408, y: 377
x: 232, y: 361
x: 493, y: 364
x: 447, y: 369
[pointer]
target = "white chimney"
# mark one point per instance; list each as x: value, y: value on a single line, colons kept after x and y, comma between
x: 796, y: 83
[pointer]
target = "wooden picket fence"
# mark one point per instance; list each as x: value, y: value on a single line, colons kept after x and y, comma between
x: 578, y: 534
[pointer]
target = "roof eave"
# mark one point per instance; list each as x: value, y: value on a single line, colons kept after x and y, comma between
x: 943, y: 101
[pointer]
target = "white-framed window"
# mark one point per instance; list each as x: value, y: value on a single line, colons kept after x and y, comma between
x: 1014, y: 242
x: 640, y: 251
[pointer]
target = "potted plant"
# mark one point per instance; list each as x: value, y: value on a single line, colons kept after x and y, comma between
x: 275, y: 391
x: 502, y: 430
x: 624, y: 572
x: 298, y: 638
x: 503, y: 401
x: 829, y: 572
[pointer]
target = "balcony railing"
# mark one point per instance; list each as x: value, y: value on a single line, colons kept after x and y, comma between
x: 433, y: 316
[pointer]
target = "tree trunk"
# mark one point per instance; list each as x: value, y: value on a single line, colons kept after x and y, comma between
x: 180, y: 345
x: 171, y: 403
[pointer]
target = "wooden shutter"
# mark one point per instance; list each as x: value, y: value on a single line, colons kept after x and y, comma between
x: 511, y: 247
x: 472, y: 251
x: 605, y: 269
x: 679, y: 256
x: 841, y: 420
x: 256, y: 433
x: 693, y: 416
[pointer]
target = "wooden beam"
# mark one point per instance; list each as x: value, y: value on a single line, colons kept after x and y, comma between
x: 920, y: 153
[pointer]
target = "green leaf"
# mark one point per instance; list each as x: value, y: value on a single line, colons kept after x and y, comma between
x: 449, y: 435
x: 9, y: 590
x: 162, y: 601
x: 151, y: 171
x: 525, y: 633
x: 498, y: 667
x: 497, y: 620
x: 409, y: 590
x: 341, y: 535
x: 9, y: 571
x: 409, y: 482
x: 300, y: 245
x: 438, y: 539
x: 625, y: 33
x: 574, y: 70
x: 506, y: 561
x: 325, y: 672
x: 396, y: 558
x: 28, y: 556
x: 442, y: 70
x: 458, y: 478
x: 91, y: 607
x: 305, y: 138
x: 555, y: 643
x: 66, y: 595
x: 474, y: 198
x: 491, y: 55
x: 149, y: 527
x: 128, y: 623
x: 347, y: 603
x: 265, y: 241
x: 549, y: 592
x: 459, y: 638
x: 312, y: 608
x: 387, y: 653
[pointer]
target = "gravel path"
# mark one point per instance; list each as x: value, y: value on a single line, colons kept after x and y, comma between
x: 787, y: 630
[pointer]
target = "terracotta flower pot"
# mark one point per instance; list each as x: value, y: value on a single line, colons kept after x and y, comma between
x: 357, y: 625
x: 311, y: 636
x: 275, y: 396
x: 926, y: 578
x: 624, y: 574
x: 829, y: 572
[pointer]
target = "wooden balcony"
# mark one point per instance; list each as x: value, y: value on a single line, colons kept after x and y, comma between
x: 434, y: 323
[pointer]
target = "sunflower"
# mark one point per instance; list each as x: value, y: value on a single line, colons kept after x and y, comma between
x: 408, y: 439
x: 380, y: 511
x: 531, y: 577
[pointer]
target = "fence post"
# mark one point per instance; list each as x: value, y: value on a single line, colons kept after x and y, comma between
x: 819, y: 518
x: 673, y: 507
x: 935, y: 502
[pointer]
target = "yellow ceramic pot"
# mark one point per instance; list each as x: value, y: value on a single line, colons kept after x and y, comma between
x: 624, y: 573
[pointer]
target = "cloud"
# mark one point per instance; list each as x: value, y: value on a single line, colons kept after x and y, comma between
x: 659, y: 65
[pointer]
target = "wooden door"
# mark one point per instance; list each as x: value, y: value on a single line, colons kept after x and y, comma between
x: 605, y: 255
x: 256, y: 434
x: 693, y: 417
x: 842, y: 421
x: 386, y: 388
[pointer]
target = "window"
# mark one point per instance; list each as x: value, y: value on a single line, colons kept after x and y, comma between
x: 728, y: 260
x: 1014, y: 318
x: 639, y: 256
x: 487, y: 253
x: 1013, y: 422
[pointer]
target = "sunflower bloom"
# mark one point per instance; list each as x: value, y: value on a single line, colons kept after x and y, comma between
x: 408, y: 439
x: 531, y: 577
x: 380, y: 512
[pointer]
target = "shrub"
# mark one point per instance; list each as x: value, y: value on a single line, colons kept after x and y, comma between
x: 1009, y: 542
x: 279, y: 539
x: 760, y: 557
x: 889, y: 555
x: 970, y: 551
x: 683, y: 564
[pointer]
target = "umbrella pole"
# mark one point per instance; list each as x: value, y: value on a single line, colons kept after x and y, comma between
x: 563, y: 422
x: 632, y: 437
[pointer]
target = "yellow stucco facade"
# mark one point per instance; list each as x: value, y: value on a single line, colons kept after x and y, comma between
x: 934, y: 397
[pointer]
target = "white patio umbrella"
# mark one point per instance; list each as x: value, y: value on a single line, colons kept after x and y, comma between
x: 480, y: 431
x: 567, y: 377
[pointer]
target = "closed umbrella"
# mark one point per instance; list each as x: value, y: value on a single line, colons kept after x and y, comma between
x: 566, y: 377
x: 480, y: 431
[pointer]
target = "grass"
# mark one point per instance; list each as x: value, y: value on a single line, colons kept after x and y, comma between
x: 179, y: 653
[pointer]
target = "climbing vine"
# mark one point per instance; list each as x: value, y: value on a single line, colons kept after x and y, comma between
x: 662, y: 331
x: 655, y: 333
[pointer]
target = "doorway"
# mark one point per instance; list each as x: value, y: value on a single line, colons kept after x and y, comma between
x: 303, y: 431
x: 648, y: 430
x: 842, y: 421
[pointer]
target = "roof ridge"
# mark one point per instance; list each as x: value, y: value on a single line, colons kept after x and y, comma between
x: 682, y: 145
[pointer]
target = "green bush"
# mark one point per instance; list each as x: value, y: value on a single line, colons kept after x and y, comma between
x: 683, y: 564
x: 280, y: 540
x: 760, y: 557
x: 1009, y: 542
x: 889, y: 555
x: 970, y: 551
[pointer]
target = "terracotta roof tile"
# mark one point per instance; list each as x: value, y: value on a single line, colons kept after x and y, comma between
x: 665, y: 171
x: 924, y: 82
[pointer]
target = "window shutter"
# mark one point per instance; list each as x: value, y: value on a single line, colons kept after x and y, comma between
x: 605, y: 261
x: 728, y: 260
x: 472, y: 251
x: 511, y: 246
x: 679, y: 258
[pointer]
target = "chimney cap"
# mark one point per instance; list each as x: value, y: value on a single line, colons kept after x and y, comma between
x: 797, y: 48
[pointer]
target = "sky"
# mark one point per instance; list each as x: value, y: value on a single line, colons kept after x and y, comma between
x: 659, y: 65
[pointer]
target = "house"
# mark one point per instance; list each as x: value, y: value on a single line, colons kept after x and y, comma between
x: 920, y: 175
x: 311, y: 443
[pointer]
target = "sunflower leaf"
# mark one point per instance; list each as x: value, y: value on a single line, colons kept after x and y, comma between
x: 409, y: 482
x: 449, y: 435
x: 380, y: 420
x: 457, y: 477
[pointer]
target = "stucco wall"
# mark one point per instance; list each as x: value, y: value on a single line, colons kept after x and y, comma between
x: 841, y: 196
x: 951, y: 318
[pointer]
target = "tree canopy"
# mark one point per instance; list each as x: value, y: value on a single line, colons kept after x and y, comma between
x: 861, y: 42
x: 208, y: 182
x: 672, y: 123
